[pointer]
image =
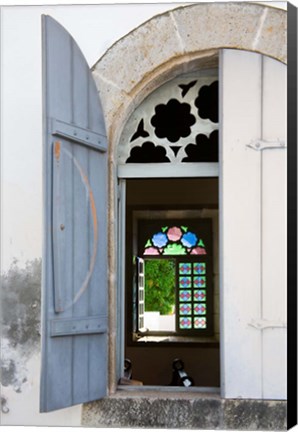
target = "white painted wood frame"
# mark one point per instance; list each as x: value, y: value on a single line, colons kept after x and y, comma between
x: 274, y: 232
x: 164, y: 170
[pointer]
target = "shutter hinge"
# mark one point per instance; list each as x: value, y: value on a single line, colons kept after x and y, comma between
x: 78, y: 326
x: 262, y: 324
x: 79, y: 135
x: 266, y: 145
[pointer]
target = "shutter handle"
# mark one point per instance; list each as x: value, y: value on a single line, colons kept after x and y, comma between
x: 62, y: 226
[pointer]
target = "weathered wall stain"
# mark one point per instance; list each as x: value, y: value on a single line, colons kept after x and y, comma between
x: 20, y: 298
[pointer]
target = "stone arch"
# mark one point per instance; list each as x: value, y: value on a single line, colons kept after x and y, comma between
x: 180, y: 40
x: 189, y: 38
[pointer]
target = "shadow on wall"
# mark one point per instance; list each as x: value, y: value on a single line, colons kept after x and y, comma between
x: 20, y: 300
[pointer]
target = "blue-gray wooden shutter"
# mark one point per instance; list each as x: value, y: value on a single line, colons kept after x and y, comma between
x: 74, y: 321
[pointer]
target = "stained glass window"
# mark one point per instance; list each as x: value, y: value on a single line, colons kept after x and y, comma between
x: 175, y: 240
x: 188, y: 246
x: 192, y: 301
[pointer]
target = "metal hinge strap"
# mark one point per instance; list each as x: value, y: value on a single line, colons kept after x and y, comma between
x: 262, y: 324
x: 78, y: 326
x: 79, y: 135
x: 266, y: 145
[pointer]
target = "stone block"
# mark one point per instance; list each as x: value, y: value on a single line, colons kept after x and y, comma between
x: 273, y: 37
x: 207, y: 414
x: 138, y: 412
x: 140, y: 52
x: 254, y: 415
x: 218, y: 25
x: 111, y: 97
x: 184, y: 411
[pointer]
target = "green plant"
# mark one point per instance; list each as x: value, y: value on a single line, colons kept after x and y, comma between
x: 160, y: 285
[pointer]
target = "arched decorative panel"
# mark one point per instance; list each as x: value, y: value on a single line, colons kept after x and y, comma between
x: 177, y: 123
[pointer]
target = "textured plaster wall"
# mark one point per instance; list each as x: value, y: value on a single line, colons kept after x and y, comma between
x: 20, y: 348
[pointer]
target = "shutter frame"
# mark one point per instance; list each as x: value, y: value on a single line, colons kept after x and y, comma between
x: 253, y: 137
x: 74, y: 287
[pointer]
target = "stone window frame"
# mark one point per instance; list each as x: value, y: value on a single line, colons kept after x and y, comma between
x: 192, y: 38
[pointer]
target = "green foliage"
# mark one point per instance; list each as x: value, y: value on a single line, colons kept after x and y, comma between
x: 160, y: 285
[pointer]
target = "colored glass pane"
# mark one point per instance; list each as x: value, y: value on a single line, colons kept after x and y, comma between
x: 184, y: 295
x: 199, y: 295
x: 185, y: 309
x: 185, y: 268
x: 200, y: 323
x: 199, y: 268
x: 151, y: 251
x: 199, y: 281
x: 183, y: 242
x: 185, y: 323
x: 174, y: 234
x: 185, y: 282
x: 174, y: 249
x: 198, y: 251
x: 159, y: 240
x: 199, y: 308
x: 189, y: 239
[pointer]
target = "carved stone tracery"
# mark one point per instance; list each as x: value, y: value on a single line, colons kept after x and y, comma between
x: 176, y: 123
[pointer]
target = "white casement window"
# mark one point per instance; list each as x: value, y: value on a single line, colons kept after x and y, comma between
x: 181, y: 163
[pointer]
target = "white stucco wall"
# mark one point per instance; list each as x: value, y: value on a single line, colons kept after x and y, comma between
x: 95, y: 28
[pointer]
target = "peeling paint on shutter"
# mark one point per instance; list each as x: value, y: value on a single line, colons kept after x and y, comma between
x: 74, y: 333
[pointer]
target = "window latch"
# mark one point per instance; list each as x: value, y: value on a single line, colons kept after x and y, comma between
x: 262, y: 324
x: 260, y: 145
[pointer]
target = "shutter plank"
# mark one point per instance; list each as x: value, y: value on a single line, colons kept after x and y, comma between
x: 63, y: 174
x: 60, y: 95
x: 74, y: 360
x: 98, y: 296
x: 83, y: 219
x: 80, y: 99
x: 274, y: 221
x: 240, y: 222
x: 81, y: 264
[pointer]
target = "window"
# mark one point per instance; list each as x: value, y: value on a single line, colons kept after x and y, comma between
x: 175, y: 288
x: 76, y: 257
x: 152, y: 352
